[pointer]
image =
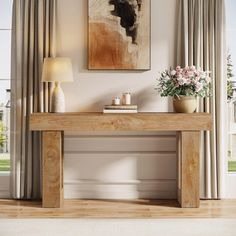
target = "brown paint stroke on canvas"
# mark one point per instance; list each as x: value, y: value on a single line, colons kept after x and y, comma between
x: 107, y: 48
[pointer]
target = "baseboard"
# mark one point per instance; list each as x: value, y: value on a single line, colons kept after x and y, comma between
x: 93, y: 189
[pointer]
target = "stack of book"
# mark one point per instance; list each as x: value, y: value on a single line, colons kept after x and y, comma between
x: 120, y: 109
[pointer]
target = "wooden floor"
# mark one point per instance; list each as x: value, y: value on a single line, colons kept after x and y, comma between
x: 118, y: 209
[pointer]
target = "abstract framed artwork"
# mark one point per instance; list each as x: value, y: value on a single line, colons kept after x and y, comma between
x: 119, y: 35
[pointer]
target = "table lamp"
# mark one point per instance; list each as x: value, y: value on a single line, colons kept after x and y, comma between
x: 58, y: 69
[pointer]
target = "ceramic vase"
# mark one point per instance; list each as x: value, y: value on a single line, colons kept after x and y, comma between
x: 185, y: 104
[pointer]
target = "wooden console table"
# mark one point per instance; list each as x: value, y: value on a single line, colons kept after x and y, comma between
x: 188, y: 127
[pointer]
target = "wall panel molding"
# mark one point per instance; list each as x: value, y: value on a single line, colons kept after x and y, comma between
x: 130, y: 189
x: 120, y: 166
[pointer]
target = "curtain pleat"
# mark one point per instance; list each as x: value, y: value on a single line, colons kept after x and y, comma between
x: 33, y: 38
x: 201, y: 42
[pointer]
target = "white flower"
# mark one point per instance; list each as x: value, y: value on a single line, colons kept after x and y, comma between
x: 173, y: 72
x: 187, y: 81
x: 208, y: 79
x: 198, y: 86
x: 166, y: 78
x: 181, y: 80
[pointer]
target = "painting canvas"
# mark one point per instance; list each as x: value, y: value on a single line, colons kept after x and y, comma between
x: 119, y: 34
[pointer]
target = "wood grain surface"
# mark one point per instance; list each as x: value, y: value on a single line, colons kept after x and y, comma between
x: 188, y: 177
x: 135, y: 209
x: 120, y: 122
x: 188, y: 125
x: 52, y: 169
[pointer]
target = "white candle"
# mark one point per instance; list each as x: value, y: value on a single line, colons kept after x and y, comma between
x: 116, y: 101
x: 126, y: 99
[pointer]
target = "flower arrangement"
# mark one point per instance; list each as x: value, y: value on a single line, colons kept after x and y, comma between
x: 187, y: 81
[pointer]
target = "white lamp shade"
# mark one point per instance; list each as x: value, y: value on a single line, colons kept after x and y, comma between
x: 57, y: 69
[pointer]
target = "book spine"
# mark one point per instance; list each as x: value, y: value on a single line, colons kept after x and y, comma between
x: 119, y: 111
x: 108, y: 108
x: 122, y: 107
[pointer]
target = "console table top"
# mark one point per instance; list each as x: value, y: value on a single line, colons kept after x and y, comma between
x: 142, y: 121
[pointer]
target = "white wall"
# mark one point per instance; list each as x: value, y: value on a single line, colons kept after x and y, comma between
x: 122, y: 165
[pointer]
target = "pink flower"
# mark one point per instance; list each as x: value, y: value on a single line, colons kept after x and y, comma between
x: 189, y: 73
x: 190, y: 79
x: 178, y: 70
x: 193, y: 68
x: 179, y: 75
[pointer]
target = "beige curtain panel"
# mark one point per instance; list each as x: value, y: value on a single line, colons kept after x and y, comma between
x: 33, y: 38
x: 201, y: 42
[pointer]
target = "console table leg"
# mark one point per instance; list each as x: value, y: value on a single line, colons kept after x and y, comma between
x: 188, y: 143
x: 52, y: 194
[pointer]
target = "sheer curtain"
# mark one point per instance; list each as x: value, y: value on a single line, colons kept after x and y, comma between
x: 201, y: 42
x: 33, y: 38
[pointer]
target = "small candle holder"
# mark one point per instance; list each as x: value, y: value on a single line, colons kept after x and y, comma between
x: 126, y: 98
x: 116, y: 101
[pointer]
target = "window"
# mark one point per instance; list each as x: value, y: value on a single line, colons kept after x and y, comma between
x: 5, y: 67
x: 231, y: 82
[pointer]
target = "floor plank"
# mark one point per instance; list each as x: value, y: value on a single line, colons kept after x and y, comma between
x: 134, y: 209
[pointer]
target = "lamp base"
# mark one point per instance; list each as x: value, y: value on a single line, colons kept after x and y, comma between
x: 58, y: 99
